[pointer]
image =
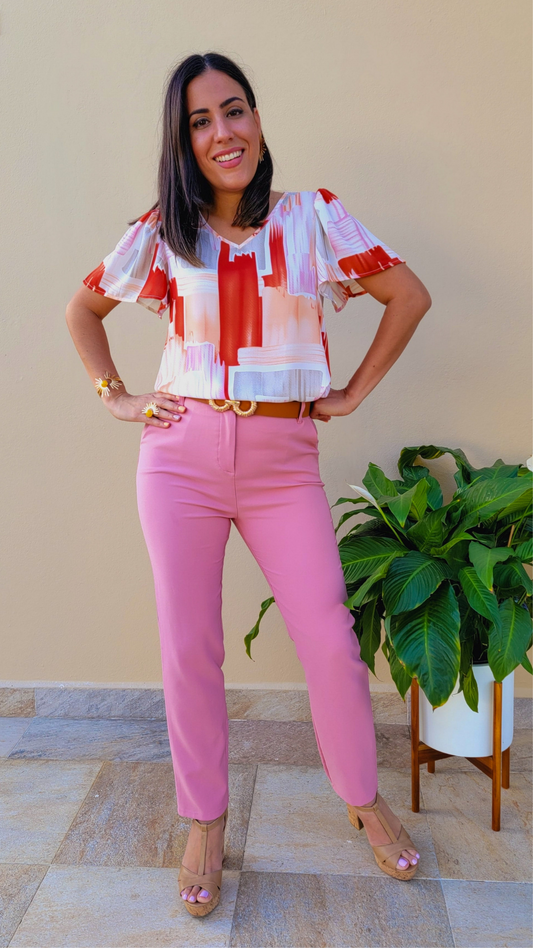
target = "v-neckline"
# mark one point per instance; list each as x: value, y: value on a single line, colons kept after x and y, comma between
x: 251, y: 237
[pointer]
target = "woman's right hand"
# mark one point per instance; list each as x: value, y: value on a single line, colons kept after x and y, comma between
x: 128, y: 407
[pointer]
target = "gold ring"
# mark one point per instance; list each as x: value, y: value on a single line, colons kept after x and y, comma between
x: 150, y: 409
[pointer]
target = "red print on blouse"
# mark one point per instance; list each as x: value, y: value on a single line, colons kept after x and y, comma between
x: 278, y: 277
x: 93, y: 280
x: 176, y: 308
x: 240, y: 306
x: 327, y: 195
x: 155, y: 287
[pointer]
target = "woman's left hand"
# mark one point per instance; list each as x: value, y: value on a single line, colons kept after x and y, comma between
x: 335, y: 403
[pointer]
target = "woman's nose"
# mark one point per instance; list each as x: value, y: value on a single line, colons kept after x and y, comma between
x: 222, y: 131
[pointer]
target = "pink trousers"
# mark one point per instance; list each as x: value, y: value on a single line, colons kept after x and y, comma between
x: 261, y: 473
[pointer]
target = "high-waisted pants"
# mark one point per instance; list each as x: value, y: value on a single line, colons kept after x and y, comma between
x: 194, y: 479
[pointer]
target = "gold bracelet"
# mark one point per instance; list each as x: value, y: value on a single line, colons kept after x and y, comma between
x: 108, y: 381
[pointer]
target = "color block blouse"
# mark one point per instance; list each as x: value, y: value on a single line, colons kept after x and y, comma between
x: 250, y: 323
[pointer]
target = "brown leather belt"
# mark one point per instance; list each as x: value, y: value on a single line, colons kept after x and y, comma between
x: 247, y: 408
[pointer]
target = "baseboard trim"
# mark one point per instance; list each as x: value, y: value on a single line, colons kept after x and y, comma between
x: 283, y: 701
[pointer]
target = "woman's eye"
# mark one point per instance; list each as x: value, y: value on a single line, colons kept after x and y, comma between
x: 234, y: 112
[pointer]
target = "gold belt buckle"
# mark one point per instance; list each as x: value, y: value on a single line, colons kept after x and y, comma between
x: 235, y: 404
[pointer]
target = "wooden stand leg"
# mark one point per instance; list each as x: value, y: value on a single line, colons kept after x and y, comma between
x: 506, y: 768
x: 497, y: 756
x: 431, y: 766
x: 415, y: 764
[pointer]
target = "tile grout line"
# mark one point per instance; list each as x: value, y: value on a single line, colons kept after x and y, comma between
x: 256, y: 766
x: 447, y: 911
x: 19, y: 740
x: 28, y: 906
x: 99, y: 771
x: 243, y: 855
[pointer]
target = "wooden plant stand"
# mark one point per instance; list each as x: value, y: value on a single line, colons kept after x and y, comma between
x: 496, y: 766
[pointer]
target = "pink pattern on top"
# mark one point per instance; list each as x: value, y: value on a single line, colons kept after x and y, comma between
x: 250, y: 323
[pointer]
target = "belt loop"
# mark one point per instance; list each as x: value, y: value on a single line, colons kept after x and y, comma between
x: 302, y: 409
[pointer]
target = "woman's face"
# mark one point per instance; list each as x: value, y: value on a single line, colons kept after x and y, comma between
x: 225, y: 132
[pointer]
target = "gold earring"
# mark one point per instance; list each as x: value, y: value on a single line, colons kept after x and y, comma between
x: 262, y: 148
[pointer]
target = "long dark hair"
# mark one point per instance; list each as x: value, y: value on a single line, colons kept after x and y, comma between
x: 182, y: 188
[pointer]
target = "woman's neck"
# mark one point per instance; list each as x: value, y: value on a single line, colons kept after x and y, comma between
x: 225, y: 206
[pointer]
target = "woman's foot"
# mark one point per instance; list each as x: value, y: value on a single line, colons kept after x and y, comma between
x: 213, y: 858
x: 378, y: 836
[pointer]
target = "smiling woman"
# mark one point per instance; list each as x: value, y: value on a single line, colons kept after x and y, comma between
x: 244, y: 272
x: 210, y: 112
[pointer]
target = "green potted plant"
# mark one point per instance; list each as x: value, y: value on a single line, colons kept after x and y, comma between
x: 446, y: 581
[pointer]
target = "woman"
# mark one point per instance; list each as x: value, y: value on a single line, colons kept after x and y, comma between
x: 229, y: 435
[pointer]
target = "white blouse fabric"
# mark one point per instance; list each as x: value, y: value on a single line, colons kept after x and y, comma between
x: 250, y: 323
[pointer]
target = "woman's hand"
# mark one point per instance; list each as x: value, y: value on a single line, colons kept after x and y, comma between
x: 127, y: 407
x: 337, y: 402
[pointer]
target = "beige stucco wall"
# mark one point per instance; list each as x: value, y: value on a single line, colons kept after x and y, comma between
x: 416, y: 113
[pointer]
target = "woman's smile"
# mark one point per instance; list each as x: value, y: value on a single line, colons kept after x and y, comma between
x: 229, y: 159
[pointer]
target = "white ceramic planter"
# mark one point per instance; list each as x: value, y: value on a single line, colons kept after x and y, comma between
x: 455, y: 729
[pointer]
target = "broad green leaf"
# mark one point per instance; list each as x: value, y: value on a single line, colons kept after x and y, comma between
x: 413, y: 500
x: 525, y: 663
x: 253, y: 633
x: 480, y: 598
x: 511, y: 574
x: 430, y: 451
x: 520, y: 505
x: 378, y: 483
x: 399, y: 675
x: 509, y: 639
x: 470, y: 690
x: 373, y: 527
x: 483, y: 560
x: 410, y: 580
x: 430, y: 531
x: 525, y: 551
x: 487, y: 497
x: 426, y: 641
x: 371, y: 635
x: 435, y: 498
x: 348, y: 500
x: 457, y: 557
x: 420, y: 499
x: 346, y: 516
x: 498, y: 469
x: 467, y: 643
x: 358, y: 597
x: 401, y: 505
x: 450, y: 544
x: 361, y: 556
x: 413, y: 474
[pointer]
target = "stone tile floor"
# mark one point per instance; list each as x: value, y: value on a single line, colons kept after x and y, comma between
x: 90, y: 843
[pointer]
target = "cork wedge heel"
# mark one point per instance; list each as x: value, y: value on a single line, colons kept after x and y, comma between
x: 211, y: 881
x: 386, y: 856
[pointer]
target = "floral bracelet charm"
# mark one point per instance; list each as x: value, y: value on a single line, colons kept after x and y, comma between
x: 108, y: 381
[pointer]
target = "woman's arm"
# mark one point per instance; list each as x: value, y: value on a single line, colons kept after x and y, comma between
x: 406, y: 302
x: 85, y: 314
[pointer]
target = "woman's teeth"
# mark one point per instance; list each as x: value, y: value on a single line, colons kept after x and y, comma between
x: 232, y: 155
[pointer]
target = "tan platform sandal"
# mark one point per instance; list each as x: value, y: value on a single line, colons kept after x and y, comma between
x: 387, y: 855
x: 211, y: 881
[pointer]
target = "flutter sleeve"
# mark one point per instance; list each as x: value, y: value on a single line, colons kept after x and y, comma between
x: 136, y: 271
x: 345, y: 251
